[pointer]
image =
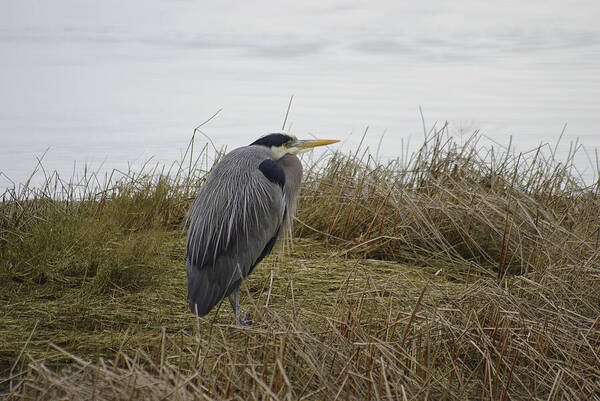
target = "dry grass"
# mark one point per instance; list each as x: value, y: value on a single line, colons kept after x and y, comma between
x: 459, y: 273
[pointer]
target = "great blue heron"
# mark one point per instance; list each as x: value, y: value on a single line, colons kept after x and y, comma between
x: 247, y: 200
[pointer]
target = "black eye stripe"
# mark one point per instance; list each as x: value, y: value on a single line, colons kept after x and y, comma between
x: 273, y: 140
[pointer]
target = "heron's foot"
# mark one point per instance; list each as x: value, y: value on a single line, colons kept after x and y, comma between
x: 245, y: 321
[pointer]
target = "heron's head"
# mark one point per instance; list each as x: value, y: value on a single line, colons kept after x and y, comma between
x: 280, y: 144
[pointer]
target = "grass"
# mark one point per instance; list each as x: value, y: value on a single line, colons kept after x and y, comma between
x: 460, y: 272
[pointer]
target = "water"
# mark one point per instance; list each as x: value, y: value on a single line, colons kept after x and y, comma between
x: 110, y: 84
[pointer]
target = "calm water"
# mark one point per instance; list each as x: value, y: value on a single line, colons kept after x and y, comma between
x: 111, y: 83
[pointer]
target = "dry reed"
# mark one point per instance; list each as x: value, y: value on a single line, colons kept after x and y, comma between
x: 458, y: 273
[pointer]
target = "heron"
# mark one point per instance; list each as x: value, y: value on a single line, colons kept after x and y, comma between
x: 246, y: 202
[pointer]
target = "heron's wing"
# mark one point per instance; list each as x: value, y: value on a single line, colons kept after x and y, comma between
x: 234, y: 223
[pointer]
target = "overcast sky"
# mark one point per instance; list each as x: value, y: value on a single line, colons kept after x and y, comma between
x: 471, y: 28
x: 119, y: 81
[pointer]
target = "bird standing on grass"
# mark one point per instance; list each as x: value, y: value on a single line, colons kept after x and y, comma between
x: 247, y: 200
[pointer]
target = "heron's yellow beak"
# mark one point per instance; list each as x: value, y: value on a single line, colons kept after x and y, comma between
x: 306, y: 144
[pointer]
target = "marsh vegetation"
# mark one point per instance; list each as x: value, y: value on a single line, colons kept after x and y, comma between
x: 461, y: 271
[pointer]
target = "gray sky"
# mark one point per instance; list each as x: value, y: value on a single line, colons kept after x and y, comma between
x: 117, y: 82
x: 471, y: 28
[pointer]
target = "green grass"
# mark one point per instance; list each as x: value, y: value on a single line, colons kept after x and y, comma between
x: 460, y: 272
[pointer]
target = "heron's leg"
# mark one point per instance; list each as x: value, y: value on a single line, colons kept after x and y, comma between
x: 198, y: 322
x: 234, y: 300
x: 246, y: 321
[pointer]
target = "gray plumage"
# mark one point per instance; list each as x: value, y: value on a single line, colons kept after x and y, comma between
x: 237, y: 216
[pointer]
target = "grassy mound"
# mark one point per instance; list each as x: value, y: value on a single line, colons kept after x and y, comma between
x: 458, y: 273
